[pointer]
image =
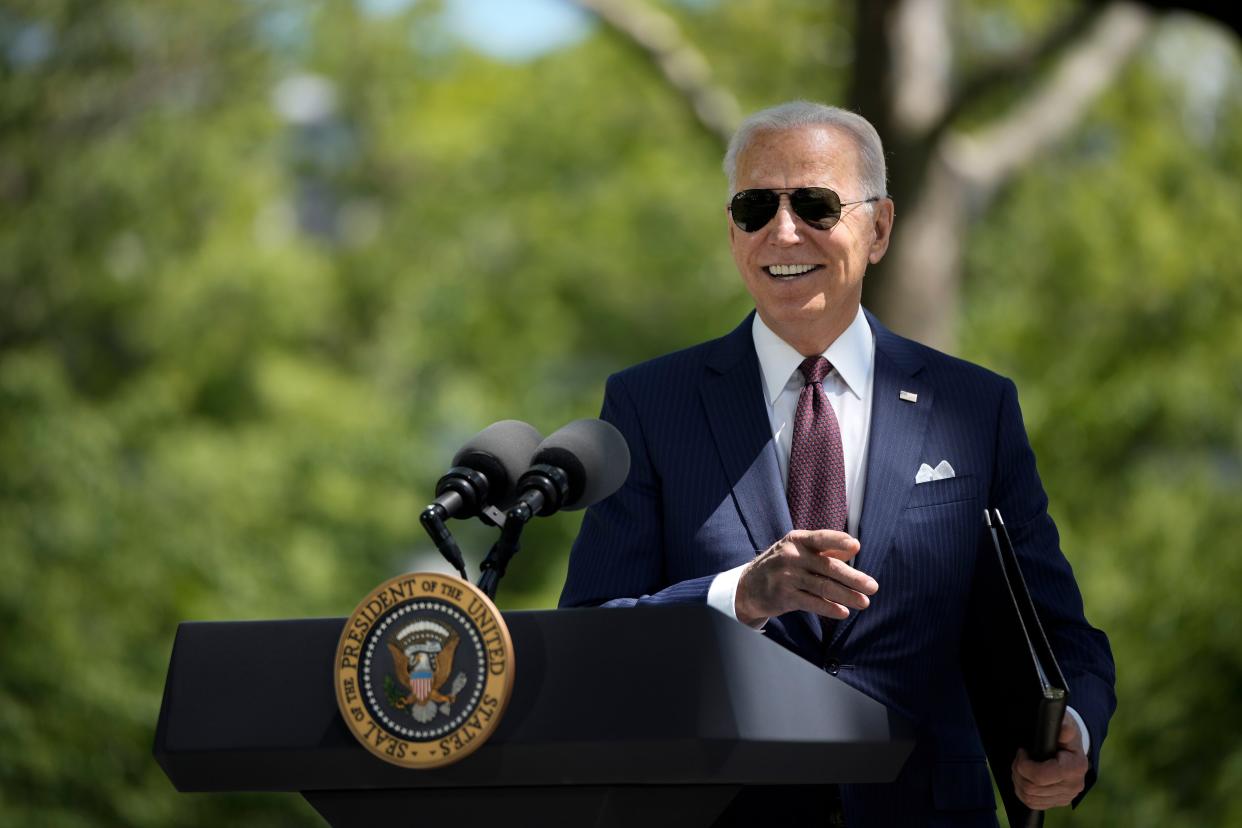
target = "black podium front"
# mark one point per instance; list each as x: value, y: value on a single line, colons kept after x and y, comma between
x: 656, y: 715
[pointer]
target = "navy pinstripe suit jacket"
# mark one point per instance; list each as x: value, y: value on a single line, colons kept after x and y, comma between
x: 704, y: 494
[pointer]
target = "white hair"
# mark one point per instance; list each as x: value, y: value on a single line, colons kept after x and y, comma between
x: 796, y: 114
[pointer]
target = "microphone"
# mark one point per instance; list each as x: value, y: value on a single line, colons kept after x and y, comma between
x: 576, y: 466
x: 484, y: 473
x: 486, y: 469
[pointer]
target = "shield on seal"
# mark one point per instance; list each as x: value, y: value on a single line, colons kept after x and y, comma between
x: 421, y: 676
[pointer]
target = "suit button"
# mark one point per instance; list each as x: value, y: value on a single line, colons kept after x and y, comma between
x: 833, y: 666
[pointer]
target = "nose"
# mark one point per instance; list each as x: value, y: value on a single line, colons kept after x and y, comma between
x: 785, y: 229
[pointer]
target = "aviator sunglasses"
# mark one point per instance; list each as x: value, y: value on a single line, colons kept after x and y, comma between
x: 819, y: 207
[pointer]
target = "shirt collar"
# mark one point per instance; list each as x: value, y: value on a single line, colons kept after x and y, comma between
x: 852, y: 355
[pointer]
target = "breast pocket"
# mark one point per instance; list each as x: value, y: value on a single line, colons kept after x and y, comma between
x: 933, y: 551
x: 939, y: 492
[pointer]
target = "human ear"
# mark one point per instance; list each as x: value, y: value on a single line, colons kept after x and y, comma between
x: 882, y: 230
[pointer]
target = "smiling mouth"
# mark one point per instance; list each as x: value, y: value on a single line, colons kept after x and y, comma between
x: 789, y: 271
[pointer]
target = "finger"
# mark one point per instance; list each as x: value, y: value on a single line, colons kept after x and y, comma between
x: 1041, y: 798
x: 812, y: 603
x: 835, y: 570
x: 850, y: 577
x: 1063, y: 776
x: 839, y: 545
x: 1053, y: 797
x: 1035, y: 801
x: 1039, y: 774
x: 830, y: 589
x: 830, y: 607
x: 1035, y: 774
x: 1049, y: 797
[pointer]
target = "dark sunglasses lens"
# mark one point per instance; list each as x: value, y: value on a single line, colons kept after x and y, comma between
x: 817, y: 206
x: 752, y: 209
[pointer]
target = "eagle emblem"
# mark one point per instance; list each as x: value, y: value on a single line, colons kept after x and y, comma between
x: 422, y: 656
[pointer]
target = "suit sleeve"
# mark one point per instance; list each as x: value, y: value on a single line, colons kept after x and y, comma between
x: 1082, y: 651
x: 618, y: 557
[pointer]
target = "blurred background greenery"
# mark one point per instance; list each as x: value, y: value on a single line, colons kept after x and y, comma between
x: 265, y: 264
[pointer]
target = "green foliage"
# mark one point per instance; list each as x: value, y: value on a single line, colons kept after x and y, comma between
x: 1104, y: 283
x: 238, y: 347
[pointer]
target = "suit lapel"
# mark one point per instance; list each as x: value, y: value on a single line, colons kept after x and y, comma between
x: 898, y: 428
x: 733, y: 400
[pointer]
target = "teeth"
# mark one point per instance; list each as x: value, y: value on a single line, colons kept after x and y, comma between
x: 790, y: 270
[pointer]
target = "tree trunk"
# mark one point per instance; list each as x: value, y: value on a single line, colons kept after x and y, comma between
x: 915, y: 289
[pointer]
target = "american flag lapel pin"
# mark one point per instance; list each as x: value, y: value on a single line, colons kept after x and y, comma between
x: 909, y: 396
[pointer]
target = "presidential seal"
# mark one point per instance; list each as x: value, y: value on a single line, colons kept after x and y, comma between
x: 424, y: 669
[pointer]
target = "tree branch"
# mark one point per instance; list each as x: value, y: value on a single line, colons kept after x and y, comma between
x: 1019, y: 63
x: 683, y: 66
x: 987, y: 158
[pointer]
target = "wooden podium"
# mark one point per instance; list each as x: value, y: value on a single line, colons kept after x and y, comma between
x: 650, y: 715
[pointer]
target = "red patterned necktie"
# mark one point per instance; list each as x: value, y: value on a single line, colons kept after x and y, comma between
x: 816, y: 488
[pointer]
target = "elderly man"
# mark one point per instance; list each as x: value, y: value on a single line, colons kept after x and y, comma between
x: 774, y: 478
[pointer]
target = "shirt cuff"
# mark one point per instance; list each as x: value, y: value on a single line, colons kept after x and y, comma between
x: 1082, y: 728
x: 722, y: 595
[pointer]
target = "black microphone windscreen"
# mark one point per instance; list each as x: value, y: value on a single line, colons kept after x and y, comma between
x: 500, y: 452
x: 593, y: 454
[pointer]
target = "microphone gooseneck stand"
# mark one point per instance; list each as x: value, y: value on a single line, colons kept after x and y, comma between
x: 545, y: 489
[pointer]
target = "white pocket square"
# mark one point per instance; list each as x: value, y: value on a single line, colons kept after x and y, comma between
x: 926, y: 473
